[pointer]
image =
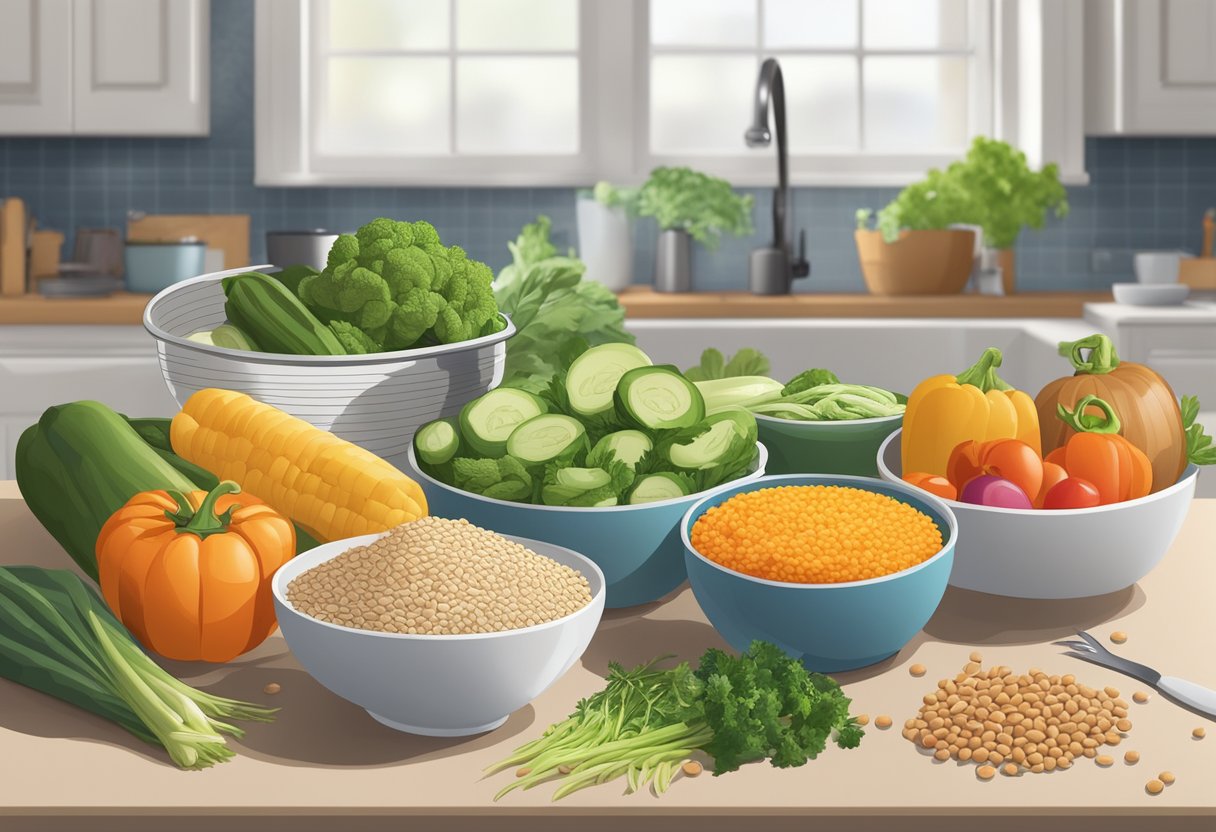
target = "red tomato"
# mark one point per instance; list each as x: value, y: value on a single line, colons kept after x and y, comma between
x: 963, y: 464
x: 1013, y: 460
x: 1072, y: 492
x: 1052, y: 474
x: 933, y: 483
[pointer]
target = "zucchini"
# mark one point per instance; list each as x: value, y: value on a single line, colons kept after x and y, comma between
x: 585, y: 487
x: 226, y: 336
x: 628, y: 446
x: 437, y: 442
x: 550, y: 437
x: 275, y: 318
x: 593, y: 376
x: 488, y: 420
x: 659, y: 398
x: 663, y: 485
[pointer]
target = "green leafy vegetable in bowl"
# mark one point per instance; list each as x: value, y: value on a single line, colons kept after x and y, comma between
x: 648, y: 720
x: 687, y: 200
x: 746, y: 362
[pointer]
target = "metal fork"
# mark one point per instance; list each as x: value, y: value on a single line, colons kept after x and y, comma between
x: 1196, y: 697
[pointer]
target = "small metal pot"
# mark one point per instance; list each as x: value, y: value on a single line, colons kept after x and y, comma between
x: 308, y: 248
x: 673, y: 262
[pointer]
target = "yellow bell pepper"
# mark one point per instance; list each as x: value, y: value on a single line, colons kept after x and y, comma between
x: 976, y: 404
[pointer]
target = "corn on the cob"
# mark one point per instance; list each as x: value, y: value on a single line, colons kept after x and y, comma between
x: 332, y: 488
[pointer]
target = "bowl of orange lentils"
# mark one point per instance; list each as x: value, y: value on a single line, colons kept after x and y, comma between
x: 839, y: 571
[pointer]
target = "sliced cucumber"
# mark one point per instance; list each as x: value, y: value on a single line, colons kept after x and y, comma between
x: 550, y: 437
x: 593, y: 376
x: 659, y: 398
x: 725, y: 437
x: 227, y: 336
x: 488, y: 420
x: 661, y: 486
x: 628, y: 446
x: 579, y: 487
x: 436, y: 442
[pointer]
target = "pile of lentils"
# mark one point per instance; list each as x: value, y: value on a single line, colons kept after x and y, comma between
x: 1027, y: 722
x: 439, y: 577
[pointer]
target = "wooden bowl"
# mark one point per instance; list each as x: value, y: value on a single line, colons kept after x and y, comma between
x: 918, y: 263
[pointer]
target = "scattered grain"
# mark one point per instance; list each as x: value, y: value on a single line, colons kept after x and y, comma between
x: 1010, y: 769
x: 523, y: 771
x: 882, y: 722
x: 1139, y: 697
x: 691, y: 768
x: 977, y: 656
x: 917, y: 670
x: 1199, y: 733
x: 1154, y: 787
x: 1131, y: 757
x: 1118, y: 637
x: 1105, y: 760
x: 272, y: 688
x: 1167, y: 778
x: 862, y: 719
x: 985, y: 772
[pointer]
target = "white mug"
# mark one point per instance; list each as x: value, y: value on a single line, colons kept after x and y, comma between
x: 1157, y: 267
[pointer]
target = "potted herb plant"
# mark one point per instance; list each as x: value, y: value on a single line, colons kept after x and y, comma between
x: 914, y: 250
x: 605, y: 233
x: 689, y: 205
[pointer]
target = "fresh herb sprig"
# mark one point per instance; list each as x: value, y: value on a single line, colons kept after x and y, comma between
x: 1199, y: 448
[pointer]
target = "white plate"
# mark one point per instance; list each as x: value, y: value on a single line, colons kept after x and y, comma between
x: 1151, y: 294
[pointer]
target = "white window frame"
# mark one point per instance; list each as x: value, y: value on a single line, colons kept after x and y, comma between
x: 1034, y: 80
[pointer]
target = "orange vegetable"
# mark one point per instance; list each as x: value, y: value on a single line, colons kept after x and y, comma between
x: 189, y: 574
x: 1009, y: 459
x: 1098, y: 454
x: 933, y: 483
x: 1053, y: 474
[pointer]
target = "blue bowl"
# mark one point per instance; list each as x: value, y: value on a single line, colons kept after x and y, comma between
x: 830, y: 627
x: 638, y: 548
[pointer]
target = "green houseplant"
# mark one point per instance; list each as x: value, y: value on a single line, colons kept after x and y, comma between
x: 992, y: 188
x: 689, y: 205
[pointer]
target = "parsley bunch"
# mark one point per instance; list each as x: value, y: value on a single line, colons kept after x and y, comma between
x: 647, y: 721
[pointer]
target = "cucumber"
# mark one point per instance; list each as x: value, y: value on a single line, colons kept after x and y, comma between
x: 593, y: 376
x: 550, y: 437
x: 227, y: 336
x: 585, y: 487
x: 628, y: 446
x: 267, y: 311
x: 659, y: 398
x: 436, y: 442
x: 488, y: 420
x: 661, y: 486
x: 723, y: 439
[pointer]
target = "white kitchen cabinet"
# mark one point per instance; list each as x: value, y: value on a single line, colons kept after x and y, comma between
x: 1150, y: 67
x: 42, y: 366
x: 35, y: 67
x: 104, y: 67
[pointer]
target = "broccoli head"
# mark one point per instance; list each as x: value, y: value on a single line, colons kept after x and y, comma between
x: 808, y: 379
x: 354, y: 340
x: 398, y: 283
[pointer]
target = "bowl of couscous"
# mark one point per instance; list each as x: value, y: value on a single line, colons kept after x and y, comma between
x: 839, y: 571
x: 438, y: 627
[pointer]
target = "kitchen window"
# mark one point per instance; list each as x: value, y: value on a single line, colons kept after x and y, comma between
x: 566, y: 92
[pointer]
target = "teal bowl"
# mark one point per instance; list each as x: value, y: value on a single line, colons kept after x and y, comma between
x: 638, y: 548
x: 830, y: 627
x: 847, y: 447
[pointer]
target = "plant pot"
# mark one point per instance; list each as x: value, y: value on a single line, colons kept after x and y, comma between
x: 605, y: 243
x: 918, y: 263
x: 673, y: 262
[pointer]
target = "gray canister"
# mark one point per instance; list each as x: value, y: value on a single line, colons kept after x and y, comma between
x: 673, y: 262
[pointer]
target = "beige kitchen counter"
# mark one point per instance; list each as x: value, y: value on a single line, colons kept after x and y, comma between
x: 325, y: 764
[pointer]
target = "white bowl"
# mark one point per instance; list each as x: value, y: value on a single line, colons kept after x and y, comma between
x: 439, y: 686
x: 376, y: 401
x: 1150, y: 294
x: 1069, y: 553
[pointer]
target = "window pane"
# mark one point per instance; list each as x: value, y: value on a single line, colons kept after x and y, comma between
x: 916, y: 103
x: 517, y: 105
x: 828, y: 24
x: 700, y: 103
x: 517, y: 24
x: 702, y: 22
x: 915, y: 24
x: 821, y: 102
x: 386, y: 105
x: 388, y: 24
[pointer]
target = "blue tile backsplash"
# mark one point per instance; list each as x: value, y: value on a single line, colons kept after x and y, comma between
x: 1144, y: 193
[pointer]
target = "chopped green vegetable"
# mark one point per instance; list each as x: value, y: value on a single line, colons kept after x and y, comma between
x: 663, y: 485
x: 739, y: 391
x: 808, y: 379
x: 746, y: 362
x: 58, y: 637
x: 592, y: 379
x: 487, y: 421
x: 629, y: 446
x: 226, y: 336
x: 354, y: 340
x: 647, y: 721
x: 585, y: 487
x: 437, y: 442
x: 659, y: 398
x: 505, y: 478
x: 719, y: 449
x: 547, y: 438
x: 688, y: 200
x: 1199, y: 448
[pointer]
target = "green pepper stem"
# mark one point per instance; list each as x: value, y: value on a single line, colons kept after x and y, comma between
x: 1077, y: 419
x: 1102, y: 357
x: 982, y: 374
x: 204, y: 521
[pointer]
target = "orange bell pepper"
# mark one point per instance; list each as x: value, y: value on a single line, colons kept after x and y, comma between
x: 1098, y: 454
x: 934, y: 484
x: 1010, y: 459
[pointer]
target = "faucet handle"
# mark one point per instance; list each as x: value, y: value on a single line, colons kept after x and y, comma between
x: 801, y: 267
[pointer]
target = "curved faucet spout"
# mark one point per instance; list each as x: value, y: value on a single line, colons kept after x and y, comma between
x: 770, y: 91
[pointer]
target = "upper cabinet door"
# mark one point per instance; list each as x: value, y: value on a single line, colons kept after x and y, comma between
x: 141, y: 67
x: 1151, y: 67
x: 35, y: 67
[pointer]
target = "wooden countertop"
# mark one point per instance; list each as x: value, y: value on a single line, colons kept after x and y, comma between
x: 325, y: 764
x: 124, y: 308
x: 119, y: 308
x: 646, y: 303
